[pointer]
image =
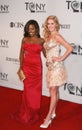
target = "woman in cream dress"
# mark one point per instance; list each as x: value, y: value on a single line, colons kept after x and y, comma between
x: 56, y: 72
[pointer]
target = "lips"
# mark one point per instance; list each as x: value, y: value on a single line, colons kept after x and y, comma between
x: 31, y: 33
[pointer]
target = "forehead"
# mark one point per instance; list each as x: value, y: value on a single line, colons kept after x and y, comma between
x: 50, y: 21
x: 31, y: 26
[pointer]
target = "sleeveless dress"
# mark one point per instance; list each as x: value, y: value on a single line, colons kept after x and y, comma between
x: 32, y: 67
x: 56, y: 73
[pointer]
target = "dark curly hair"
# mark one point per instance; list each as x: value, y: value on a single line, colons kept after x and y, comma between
x: 26, y: 28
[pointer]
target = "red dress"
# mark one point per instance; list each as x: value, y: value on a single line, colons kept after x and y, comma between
x: 32, y: 67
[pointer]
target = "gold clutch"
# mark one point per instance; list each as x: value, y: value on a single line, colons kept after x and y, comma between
x: 21, y: 75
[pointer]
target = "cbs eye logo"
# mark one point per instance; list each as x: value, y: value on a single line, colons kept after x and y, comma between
x: 74, y: 5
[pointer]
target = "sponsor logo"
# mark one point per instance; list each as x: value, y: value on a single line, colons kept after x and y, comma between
x: 16, y: 25
x: 4, y: 8
x: 77, y: 49
x: 4, y: 43
x: 65, y: 26
x: 73, y: 89
x: 35, y: 7
x: 14, y: 60
x: 3, y: 76
x: 74, y: 5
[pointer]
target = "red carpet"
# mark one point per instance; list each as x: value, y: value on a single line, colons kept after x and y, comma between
x: 69, y: 115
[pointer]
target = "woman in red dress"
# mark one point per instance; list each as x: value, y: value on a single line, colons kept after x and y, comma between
x: 31, y: 64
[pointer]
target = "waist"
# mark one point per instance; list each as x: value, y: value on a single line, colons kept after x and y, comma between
x: 48, y: 63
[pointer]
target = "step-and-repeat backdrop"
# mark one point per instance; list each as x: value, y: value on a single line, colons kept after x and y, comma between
x: 13, y: 17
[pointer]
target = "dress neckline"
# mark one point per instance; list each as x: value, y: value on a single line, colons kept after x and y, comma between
x: 32, y: 43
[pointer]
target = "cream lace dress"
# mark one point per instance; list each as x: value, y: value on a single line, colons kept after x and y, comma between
x: 56, y: 74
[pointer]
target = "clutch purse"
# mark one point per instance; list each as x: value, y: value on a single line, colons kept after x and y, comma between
x: 21, y: 75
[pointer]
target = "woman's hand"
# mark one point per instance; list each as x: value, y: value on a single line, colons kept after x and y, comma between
x: 21, y: 74
x: 58, y: 59
x: 19, y: 70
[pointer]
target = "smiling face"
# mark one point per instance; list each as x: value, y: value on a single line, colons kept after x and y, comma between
x: 51, y: 25
x: 32, y: 30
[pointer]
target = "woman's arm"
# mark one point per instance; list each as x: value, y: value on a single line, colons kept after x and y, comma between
x: 21, y: 55
x: 65, y: 44
x: 43, y: 49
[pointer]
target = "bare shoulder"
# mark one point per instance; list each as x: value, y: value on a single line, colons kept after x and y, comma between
x: 24, y: 40
x: 59, y: 38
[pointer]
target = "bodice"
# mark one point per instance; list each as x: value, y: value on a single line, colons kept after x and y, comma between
x: 32, y: 48
x: 52, y: 49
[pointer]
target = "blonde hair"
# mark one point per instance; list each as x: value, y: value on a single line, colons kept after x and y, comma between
x: 46, y: 31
